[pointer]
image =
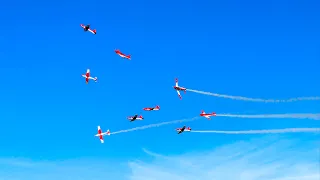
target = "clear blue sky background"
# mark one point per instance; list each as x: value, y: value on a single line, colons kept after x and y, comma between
x: 263, y: 49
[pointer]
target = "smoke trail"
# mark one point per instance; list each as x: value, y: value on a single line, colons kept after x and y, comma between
x: 296, y: 116
x: 255, y: 99
x: 155, y: 125
x: 270, y: 131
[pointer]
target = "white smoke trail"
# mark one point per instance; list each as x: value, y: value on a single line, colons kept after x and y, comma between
x: 270, y: 131
x: 155, y: 125
x: 295, y: 116
x: 256, y: 99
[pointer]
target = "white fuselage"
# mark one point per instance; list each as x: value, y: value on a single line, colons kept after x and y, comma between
x: 136, y: 119
x: 124, y: 56
x: 188, y: 130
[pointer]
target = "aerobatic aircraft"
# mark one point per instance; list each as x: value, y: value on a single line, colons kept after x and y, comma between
x: 87, y: 28
x: 87, y: 76
x: 178, y: 89
x: 101, y: 134
x: 184, y: 128
x: 157, y: 108
x: 207, y: 115
x: 135, y: 117
x: 122, y: 55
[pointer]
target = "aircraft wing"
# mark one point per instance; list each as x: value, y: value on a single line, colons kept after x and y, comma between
x: 87, y: 75
x: 182, y: 129
x: 179, y: 94
x: 133, y: 118
x: 101, y: 138
x: 177, y: 82
x: 100, y: 134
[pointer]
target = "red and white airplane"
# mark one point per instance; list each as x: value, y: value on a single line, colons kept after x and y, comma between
x: 87, y: 76
x: 123, y: 55
x: 178, y: 88
x: 157, y: 108
x: 135, y: 117
x: 101, y: 134
x: 207, y: 115
x: 184, y: 128
x: 87, y: 28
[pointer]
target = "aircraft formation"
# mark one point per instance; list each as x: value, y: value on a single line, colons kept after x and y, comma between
x: 100, y: 134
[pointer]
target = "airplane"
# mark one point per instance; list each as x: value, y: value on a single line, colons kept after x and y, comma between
x: 101, y: 134
x: 152, y: 109
x: 184, y: 128
x: 135, y: 117
x: 207, y: 115
x: 178, y: 88
x: 122, y: 55
x: 87, y: 76
x: 87, y: 28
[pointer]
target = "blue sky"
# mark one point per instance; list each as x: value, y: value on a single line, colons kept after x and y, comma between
x: 265, y: 49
